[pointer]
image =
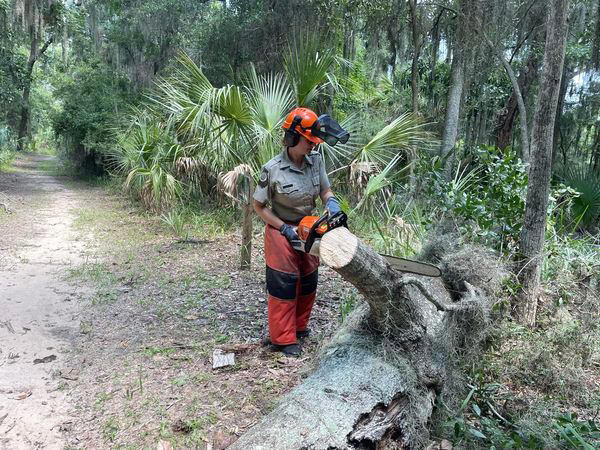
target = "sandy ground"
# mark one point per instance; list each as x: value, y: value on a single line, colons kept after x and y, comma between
x: 38, y: 318
x: 108, y: 323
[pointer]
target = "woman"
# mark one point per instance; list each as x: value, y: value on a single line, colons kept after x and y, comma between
x: 291, y: 183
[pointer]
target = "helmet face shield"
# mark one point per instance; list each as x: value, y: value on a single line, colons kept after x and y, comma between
x: 329, y: 130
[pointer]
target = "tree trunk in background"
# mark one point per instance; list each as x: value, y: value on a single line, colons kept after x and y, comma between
x: 25, y: 111
x: 246, y: 249
x: 435, y: 48
x: 531, y: 244
x: 417, y: 40
x: 564, y: 83
x: 506, y: 121
x: 448, y: 48
x: 457, y: 81
x: 482, y: 136
x: 462, y: 52
x: 595, y: 159
x: 516, y: 92
x: 596, y: 44
x: 348, y: 51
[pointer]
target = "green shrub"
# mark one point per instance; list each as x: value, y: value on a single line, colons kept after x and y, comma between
x: 91, y: 100
x: 586, y: 205
x: 482, y: 423
x: 487, y: 195
x: 146, y: 156
x: 7, y: 147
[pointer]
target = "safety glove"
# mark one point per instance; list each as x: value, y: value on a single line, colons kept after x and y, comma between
x: 333, y: 206
x: 289, y: 232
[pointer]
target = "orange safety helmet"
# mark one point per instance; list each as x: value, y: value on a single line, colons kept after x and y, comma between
x: 299, y: 122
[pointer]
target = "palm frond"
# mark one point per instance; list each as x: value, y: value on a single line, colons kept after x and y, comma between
x: 270, y: 97
x: 234, y: 184
x: 586, y: 206
x: 230, y: 104
x: 400, y: 135
x: 146, y: 154
x: 308, y: 65
x: 378, y: 182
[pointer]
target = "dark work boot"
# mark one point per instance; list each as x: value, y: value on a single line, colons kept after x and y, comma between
x: 303, y: 334
x: 289, y: 350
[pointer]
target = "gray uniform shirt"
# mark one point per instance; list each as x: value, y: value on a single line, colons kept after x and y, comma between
x: 292, y: 191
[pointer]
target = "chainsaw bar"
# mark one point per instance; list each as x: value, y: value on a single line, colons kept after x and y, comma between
x: 410, y: 266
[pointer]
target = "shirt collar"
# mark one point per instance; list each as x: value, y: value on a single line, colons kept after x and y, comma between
x: 287, y: 162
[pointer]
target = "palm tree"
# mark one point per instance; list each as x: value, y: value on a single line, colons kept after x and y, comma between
x: 230, y: 132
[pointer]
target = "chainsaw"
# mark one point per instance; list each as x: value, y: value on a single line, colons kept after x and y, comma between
x: 311, y: 229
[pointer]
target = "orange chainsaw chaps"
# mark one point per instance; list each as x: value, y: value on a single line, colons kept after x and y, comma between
x: 291, y: 285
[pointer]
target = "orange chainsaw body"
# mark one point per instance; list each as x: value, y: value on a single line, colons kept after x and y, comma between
x: 306, y: 225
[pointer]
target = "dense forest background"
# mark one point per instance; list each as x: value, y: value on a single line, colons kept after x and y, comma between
x: 448, y: 110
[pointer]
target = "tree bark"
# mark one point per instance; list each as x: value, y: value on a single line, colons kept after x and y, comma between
x: 595, y: 60
x: 392, y: 39
x: 595, y: 159
x: 246, y: 249
x: 457, y: 81
x: 516, y: 93
x: 25, y: 111
x: 526, y: 77
x: 532, y: 235
x: 417, y: 39
x: 462, y: 55
x: 435, y: 47
x: 564, y: 83
x: 378, y: 378
x: 348, y: 48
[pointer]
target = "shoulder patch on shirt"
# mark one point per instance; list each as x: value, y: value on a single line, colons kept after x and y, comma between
x: 263, y: 180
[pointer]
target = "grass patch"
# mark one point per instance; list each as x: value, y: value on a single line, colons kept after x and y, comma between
x: 153, y: 351
x: 110, y: 429
x: 7, y: 156
x: 204, y: 280
x: 180, y: 381
x: 98, y: 273
x: 51, y: 167
x: 202, y: 377
x: 199, y: 222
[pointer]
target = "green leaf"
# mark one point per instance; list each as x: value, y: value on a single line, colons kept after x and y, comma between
x: 308, y: 64
x: 477, y: 433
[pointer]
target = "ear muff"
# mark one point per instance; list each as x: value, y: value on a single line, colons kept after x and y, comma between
x: 292, y: 137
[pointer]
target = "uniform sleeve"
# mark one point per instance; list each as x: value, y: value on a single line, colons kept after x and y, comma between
x: 323, y: 178
x: 262, y: 193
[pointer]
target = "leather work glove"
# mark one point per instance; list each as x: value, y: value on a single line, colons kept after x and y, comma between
x: 333, y: 206
x: 289, y: 232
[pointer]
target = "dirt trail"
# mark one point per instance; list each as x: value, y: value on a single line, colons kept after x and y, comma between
x: 38, y: 319
x: 121, y: 354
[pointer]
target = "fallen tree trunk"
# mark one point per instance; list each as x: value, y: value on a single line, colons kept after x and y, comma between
x: 378, y: 378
